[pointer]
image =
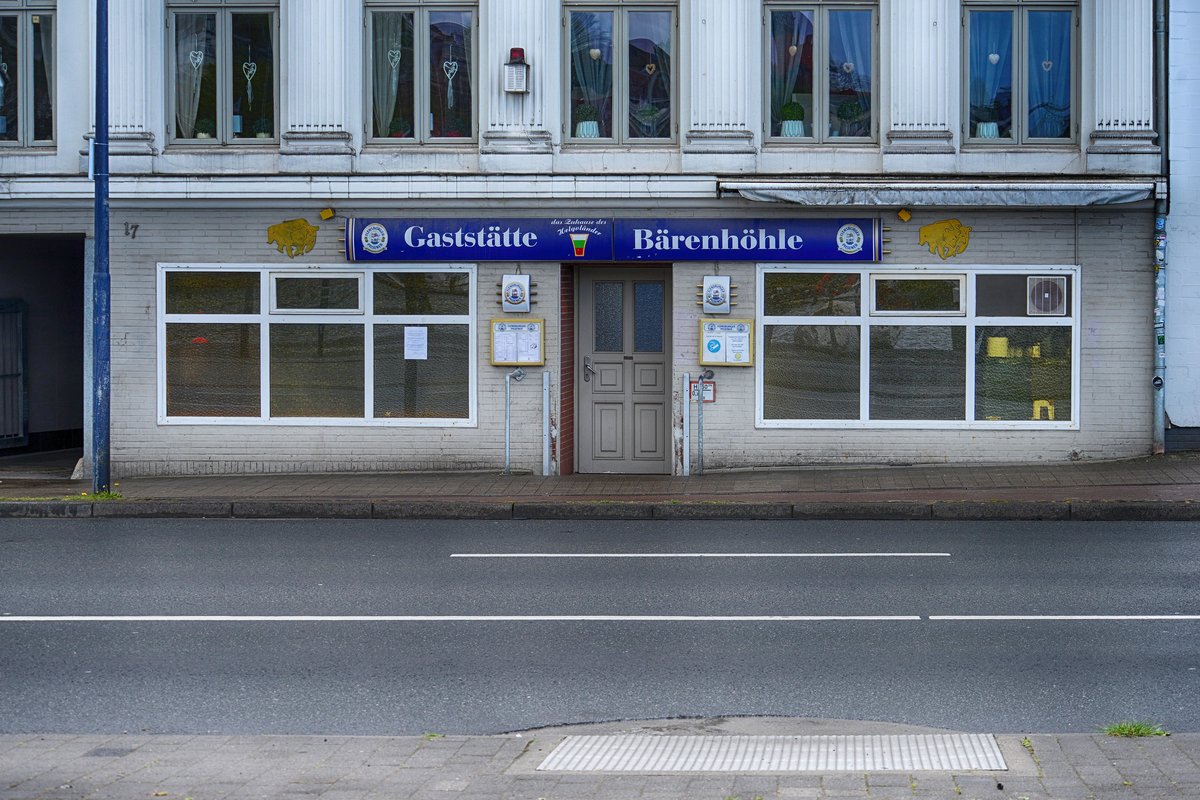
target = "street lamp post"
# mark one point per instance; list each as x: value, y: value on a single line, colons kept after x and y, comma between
x: 101, y: 302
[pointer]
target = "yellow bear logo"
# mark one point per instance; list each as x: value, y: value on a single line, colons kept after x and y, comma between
x: 294, y: 237
x: 946, y: 238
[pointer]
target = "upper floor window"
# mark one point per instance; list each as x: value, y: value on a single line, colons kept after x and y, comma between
x: 224, y: 71
x: 821, y: 72
x: 27, y: 72
x: 622, y: 86
x: 1021, y: 72
x: 421, y: 72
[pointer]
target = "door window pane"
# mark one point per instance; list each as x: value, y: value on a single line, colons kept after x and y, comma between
x: 791, y: 72
x: 648, y: 317
x: 591, y: 74
x: 195, y: 76
x: 393, y: 91
x: 850, y: 73
x: 213, y: 370
x: 1049, y: 70
x: 317, y: 370
x: 990, y: 69
x: 253, y: 66
x: 10, y: 78
x: 317, y: 294
x: 810, y: 372
x: 212, y: 293
x: 918, y: 372
x: 422, y: 293
x: 437, y: 387
x: 649, y: 74
x: 803, y: 294
x: 1023, y: 373
x: 609, y: 316
x: 450, y: 73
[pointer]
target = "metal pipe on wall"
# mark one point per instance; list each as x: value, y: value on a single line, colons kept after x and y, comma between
x: 687, y: 420
x: 518, y: 374
x: 546, y: 424
x: 1162, y: 207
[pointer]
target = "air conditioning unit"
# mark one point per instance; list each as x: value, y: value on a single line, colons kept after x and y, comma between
x: 1046, y: 296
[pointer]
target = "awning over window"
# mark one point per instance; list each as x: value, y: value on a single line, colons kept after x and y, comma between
x: 928, y: 193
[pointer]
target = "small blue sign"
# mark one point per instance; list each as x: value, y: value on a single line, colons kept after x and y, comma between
x: 714, y: 345
x: 566, y: 239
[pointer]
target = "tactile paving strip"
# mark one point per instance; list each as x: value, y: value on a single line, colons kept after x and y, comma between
x: 663, y: 753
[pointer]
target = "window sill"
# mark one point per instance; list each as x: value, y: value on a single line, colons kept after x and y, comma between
x: 813, y: 144
x: 401, y: 145
x: 39, y: 149
x: 608, y: 145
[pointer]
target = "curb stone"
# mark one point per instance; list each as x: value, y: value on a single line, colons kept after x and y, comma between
x: 884, y: 509
x: 45, y: 508
x: 181, y: 509
x: 583, y: 510
x: 301, y: 509
x: 1002, y: 509
x: 730, y: 510
x: 1134, y: 510
x: 435, y: 509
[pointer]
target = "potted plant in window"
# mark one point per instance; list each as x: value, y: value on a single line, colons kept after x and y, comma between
x: 398, y: 130
x: 587, y: 125
x: 206, y: 128
x: 987, y: 121
x: 792, y: 116
x: 263, y: 128
x: 649, y: 118
x: 848, y: 113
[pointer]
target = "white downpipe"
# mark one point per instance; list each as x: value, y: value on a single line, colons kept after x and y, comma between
x: 546, y: 423
x: 687, y: 424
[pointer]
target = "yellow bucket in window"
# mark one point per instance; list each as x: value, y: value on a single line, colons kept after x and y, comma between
x: 997, y: 347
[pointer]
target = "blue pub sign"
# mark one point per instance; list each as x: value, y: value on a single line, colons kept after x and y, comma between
x: 567, y: 239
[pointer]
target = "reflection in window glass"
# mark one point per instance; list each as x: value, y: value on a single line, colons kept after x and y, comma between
x: 850, y: 73
x: 1049, y: 70
x: 195, y: 76
x: 450, y: 90
x: 791, y: 72
x: 1023, y: 373
x: 317, y: 370
x: 212, y: 370
x: 609, y: 316
x: 918, y: 372
x: 438, y: 386
x: 43, y: 76
x: 10, y: 78
x: 422, y: 293
x: 805, y: 294
x: 649, y: 74
x: 810, y: 372
x: 252, y: 74
x: 327, y: 294
x: 212, y: 293
x: 591, y: 74
x: 393, y: 92
x: 990, y: 71
x: 922, y: 294
x: 648, y: 317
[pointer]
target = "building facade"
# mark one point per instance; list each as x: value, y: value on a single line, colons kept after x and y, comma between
x: 894, y: 231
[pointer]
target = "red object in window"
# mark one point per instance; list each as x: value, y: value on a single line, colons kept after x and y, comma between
x: 199, y: 340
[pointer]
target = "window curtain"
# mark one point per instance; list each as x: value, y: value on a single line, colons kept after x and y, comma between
x: 386, y: 47
x: 991, y: 35
x: 788, y: 29
x: 591, y: 62
x: 191, y: 45
x: 1049, y: 70
x: 850, y: 54
x: 46, y: 38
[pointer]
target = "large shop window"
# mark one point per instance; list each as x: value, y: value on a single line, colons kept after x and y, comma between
x: 821, y: 72
x: 1021, y: 65
x: 622, y: 85
x: 223, y: 73
x: 989, y: 347
x: 27, y: 64
x: 421, y: 72
x: 319, y: 346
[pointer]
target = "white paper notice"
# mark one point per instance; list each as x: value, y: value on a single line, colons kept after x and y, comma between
x: 528, y: 344
x: 416, y: 343
x: 737, y: 348
x: 505, y: 344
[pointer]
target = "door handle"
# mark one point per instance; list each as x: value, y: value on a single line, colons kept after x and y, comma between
x: 588, y: 372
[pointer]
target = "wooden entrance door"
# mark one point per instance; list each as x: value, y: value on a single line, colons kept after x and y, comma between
x: 624, y: 370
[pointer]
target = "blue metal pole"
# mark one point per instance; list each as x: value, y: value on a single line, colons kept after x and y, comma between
x: 101, y: 303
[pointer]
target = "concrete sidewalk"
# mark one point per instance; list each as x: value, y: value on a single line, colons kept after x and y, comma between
x: 1165, y: 487
x: 121, y: 767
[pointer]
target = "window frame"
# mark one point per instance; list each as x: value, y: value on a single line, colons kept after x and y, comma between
x: 821, y: 97
x: 23, y: 10
x: 267, y: 319
x: 1020, y: 10
x: 422, y: 133
x: 864, y: 321
x: 620, y: 9
x: 275, y: 310
x: 224, y: 11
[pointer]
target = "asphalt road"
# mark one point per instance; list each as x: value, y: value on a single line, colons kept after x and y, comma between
x: 613, y: 638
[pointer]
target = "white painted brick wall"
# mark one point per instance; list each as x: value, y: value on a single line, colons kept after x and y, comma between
x: 1183, y: 225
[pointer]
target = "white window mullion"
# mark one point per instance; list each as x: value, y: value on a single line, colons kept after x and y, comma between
x: 969, y: 305
x: 864, y: 366
x: 264, y: 345
x: 368, y: 298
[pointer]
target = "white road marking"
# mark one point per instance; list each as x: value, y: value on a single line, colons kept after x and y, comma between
x: 1066, y: 617
x: 700, y: 555
x: 455, y: 618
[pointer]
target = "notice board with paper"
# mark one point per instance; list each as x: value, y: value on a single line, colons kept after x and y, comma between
x: 727, y: 342
x: 518, y: 343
